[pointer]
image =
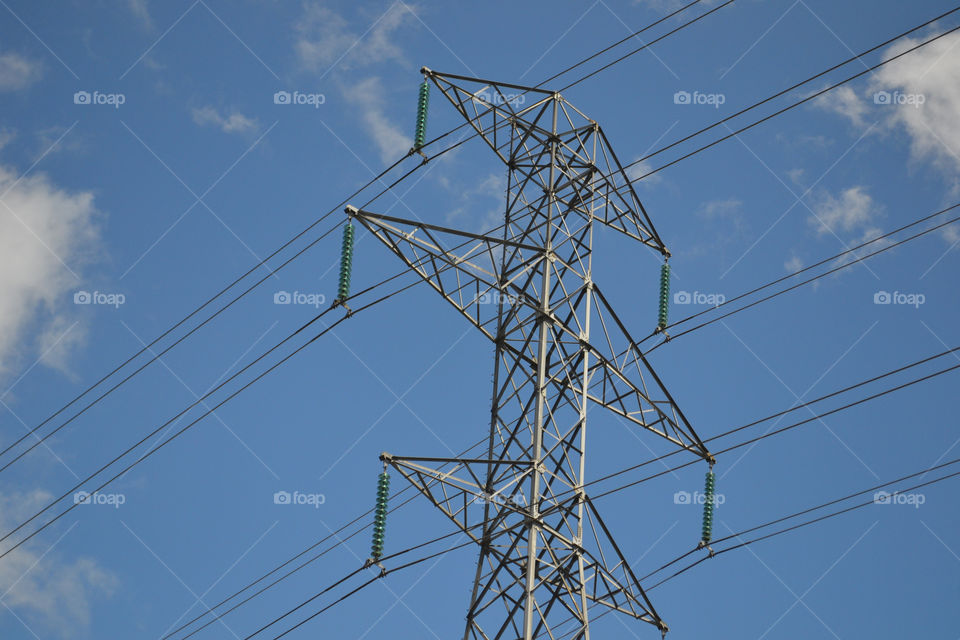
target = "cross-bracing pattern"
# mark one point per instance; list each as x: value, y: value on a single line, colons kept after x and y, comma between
x: 546, y: 556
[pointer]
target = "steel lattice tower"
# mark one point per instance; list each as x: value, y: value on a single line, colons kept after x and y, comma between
x: 546, y: 555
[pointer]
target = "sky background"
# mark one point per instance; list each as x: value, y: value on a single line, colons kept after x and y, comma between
x: 144, y: 165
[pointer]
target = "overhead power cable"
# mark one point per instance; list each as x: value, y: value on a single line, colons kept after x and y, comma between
x: 813, y: 520
x: 801, y: 102
x: 210, y: 410
x: 262, y: 263
x: 793, y: 87
x: 335, y: 534
x: 832, y: 258
x: 809, y: 280
x: 761, y: 437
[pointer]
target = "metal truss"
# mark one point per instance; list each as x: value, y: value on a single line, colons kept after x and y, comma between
x: 546, y: 556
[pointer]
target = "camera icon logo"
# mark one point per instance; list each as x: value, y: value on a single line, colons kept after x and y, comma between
x: 82, y: 297
x: 282, y: 297
x: 882, y: 97
x: 281, y: 97
x: 882, y: 297
x: 81, y: 497
x: 881, y: 497
x: 682, y: 97
x: 281, y: 497
x: 681, y: 297
x: 682, y: 497
x: 81, y: 97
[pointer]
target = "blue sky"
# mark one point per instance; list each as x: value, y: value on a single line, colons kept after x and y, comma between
x: 145, y: 164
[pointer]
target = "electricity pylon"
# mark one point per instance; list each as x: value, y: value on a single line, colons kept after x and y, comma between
x: 546, y: 555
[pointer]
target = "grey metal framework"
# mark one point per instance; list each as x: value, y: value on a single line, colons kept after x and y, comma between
x: 546, y: 556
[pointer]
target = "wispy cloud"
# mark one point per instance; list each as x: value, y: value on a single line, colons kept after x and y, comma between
x: 233, y: 123
x: 140, y: 11
x: 51, y: 593
x: 369, y: 97
x: 325, y: 38
x: 18, y: 72
x: 852, y: 210
x: 845, y: 101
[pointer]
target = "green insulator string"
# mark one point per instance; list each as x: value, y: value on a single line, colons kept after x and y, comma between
x: 346, y: 262
x: 423, y: 101
x: 708, y: 504
x: 664, y: 296
x: 380, y: 516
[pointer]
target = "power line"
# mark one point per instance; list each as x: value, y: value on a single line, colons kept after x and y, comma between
x: 188, y: 426
x: 263, y: 262
x: 795, y: 515
x: 340, y: 541
x: 825, y: 261
x: 202, y: 399
x: 384, y: 572
x: 812, y: 521
x: 764, y: 436
x: 647, y: 45
x: 795, y: 105
x: 858, y: 260
x: 793, y: 87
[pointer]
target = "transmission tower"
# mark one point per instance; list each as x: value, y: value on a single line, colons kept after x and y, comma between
x: 546, y: 556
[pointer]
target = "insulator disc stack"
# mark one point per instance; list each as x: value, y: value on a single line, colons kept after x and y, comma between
x: 346, y: 262
x: 380, y: 515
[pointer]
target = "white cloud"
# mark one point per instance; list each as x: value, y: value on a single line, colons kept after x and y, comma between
x: 637, y: 171
x: 934, y: 73
x: 846, y: 102
x: 951, y: 233
x: 853, y: 213
x: 58, y: 340
x: 141, y: 11
x: 234, y: 123
x: 47, y: 229
x: 481, y: 207
x: 729, y: 207
x: 796, y: 176
x: 793, y: 265
x: 6, y: 137
x: 369, y: 97
x: 17, y: 72
x: 46, y: 590
x: 324, y: 38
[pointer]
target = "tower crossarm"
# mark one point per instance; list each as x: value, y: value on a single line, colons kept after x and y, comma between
x: 465, y: 269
